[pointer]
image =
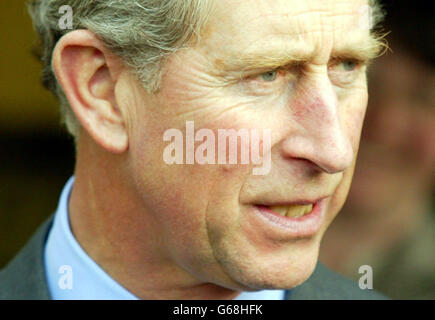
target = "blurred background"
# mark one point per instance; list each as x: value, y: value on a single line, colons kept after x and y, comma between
x: 36, y: 156
x: 388, y: 221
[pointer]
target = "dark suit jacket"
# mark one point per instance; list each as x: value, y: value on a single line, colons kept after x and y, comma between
x: 24, y: 278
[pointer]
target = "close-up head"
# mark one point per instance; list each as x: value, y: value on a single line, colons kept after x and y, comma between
x: 287, y: 76
x: 295, y: 68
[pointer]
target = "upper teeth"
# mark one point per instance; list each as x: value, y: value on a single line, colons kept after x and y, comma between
x: 293, y: 211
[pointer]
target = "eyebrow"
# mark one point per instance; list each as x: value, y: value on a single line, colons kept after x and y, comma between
x: 298, y: 53
x: 364, y: 49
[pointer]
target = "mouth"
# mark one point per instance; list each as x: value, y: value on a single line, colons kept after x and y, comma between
x: 292, y: 211
x: 290, y: 220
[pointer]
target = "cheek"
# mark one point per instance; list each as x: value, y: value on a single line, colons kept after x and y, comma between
x: 354, y: 113
x: 179, y: 195
x: 175, y: 198
x: 354, y: 118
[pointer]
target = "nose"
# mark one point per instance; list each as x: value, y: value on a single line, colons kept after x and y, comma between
x: 318, y: 134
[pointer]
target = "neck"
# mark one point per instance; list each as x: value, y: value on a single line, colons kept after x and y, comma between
x: 109, y: 220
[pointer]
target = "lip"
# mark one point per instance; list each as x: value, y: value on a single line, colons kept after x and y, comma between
x: 287, y: 228
x: 293, y: 203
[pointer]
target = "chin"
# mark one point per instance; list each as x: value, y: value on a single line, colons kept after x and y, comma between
x: 286, y: 269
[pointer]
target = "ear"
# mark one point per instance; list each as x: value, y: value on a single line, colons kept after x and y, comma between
x: 88, y: 74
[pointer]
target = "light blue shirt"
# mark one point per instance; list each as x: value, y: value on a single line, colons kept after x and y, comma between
x: 73, y: 275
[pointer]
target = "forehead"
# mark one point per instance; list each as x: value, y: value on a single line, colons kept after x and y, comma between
x: 316, y: 25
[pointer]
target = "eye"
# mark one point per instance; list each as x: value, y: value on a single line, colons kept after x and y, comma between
x: 345, y: 71
x: 268, y: 82
x: 349, y: 65
x: 345, y: 65
x: 269, y: 76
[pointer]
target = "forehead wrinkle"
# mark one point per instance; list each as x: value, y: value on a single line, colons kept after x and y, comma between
x: 348, y: 8
x: 300, y: 10
x: 291, y: 41
x: 267, y: 10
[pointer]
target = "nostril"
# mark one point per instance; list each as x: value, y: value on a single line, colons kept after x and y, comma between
x: 309, y: 164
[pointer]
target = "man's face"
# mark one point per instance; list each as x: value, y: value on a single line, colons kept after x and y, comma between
x: 286, y: 65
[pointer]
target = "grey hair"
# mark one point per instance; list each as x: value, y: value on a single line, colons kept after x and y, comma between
x: 377, y: 14
x: 141, y: 32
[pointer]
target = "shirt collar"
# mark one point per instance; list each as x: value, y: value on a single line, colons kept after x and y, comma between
x: 73, y: 275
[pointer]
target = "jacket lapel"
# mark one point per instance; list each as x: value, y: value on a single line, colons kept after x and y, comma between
x: 24, y: 277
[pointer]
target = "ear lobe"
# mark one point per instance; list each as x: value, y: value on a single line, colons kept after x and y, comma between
x: 88, y: 75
